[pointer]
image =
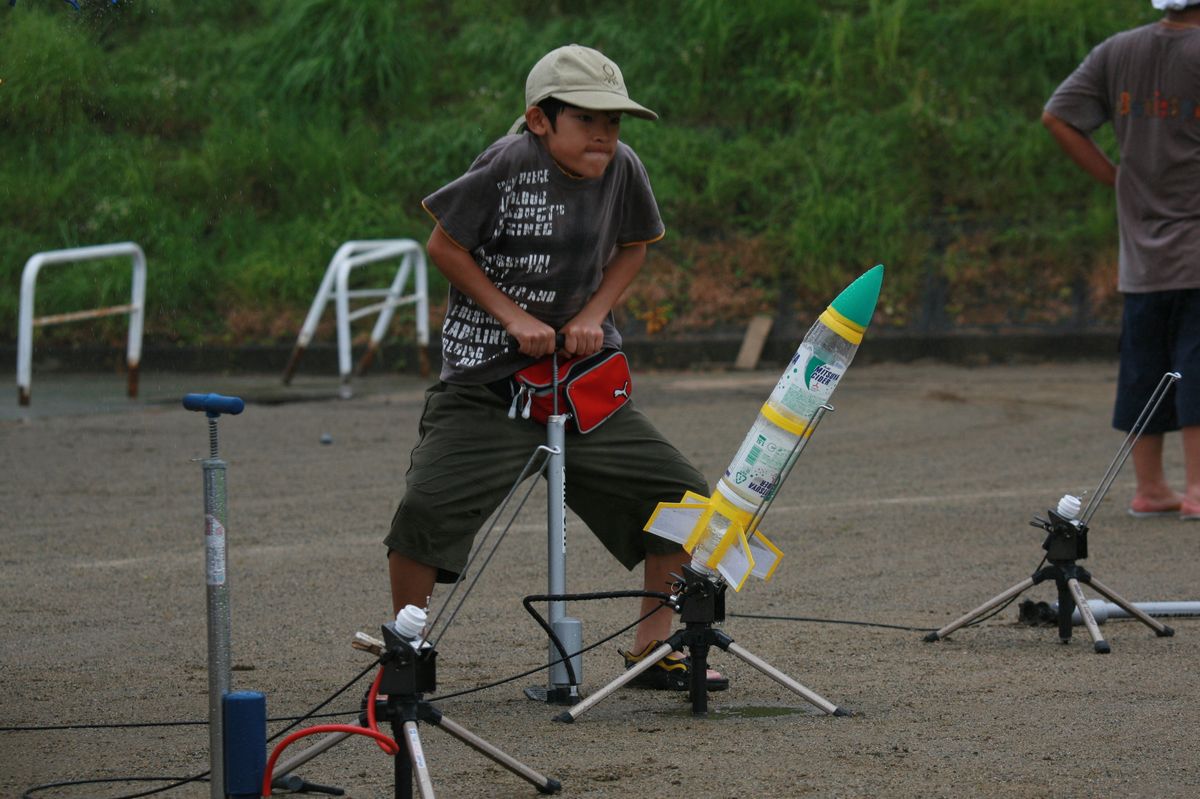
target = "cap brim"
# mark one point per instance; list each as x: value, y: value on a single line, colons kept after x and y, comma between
x: 603, y: 101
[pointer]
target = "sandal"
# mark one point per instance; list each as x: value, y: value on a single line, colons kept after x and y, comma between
x: 668, y: 674
x: 1140, y: 509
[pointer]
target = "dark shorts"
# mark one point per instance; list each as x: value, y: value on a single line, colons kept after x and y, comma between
x: 1160, y: 332
x: 470, y: 453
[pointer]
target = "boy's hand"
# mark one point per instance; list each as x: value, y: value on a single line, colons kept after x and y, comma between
x: 580, y: 338
x: 534, y: 338
x: 584, y: 335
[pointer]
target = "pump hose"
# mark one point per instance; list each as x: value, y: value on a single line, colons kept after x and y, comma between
x: 558, y: 645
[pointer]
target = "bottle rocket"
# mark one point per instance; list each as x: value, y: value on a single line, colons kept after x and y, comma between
x: 715, y: 530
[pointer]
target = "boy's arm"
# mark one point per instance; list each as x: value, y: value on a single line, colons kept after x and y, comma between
x: 584, y: 335
x: 1081, y: 149
x: 535, y: 338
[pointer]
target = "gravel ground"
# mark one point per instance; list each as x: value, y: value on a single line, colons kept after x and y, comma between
x: 909, y: 508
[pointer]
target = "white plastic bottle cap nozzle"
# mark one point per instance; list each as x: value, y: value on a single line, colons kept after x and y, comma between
x: 1069, y: 506
x: 410, y: 621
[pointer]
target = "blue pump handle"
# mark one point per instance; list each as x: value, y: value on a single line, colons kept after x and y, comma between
x: 213, y: 404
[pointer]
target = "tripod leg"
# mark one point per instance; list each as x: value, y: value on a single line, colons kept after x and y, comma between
x: 982, y: 609
x: 542, y: 783
x: 1160, y: 629
x: 415, y: 760
x: 786, y: 681
x: 1089, y: 619
x: 284, y: 768
x: 698, y: 678
x: 1066, y: 607
x: 647, y: 662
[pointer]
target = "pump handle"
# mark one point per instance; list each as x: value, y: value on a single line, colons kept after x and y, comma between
x: 214, y: 404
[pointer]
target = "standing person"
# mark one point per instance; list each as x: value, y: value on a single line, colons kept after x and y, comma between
x: 537, y: 239
x: 1146, y: 82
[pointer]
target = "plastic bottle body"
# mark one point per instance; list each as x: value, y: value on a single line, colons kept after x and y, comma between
x: 813, y: 374
x: 754, y: 472
x: 717, y: 527
x: 780, y: 429
x: 730, y: 507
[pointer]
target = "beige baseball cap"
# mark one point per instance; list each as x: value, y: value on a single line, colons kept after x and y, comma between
x: 582, y: 77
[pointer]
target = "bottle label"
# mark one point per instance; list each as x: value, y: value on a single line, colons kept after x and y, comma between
x: 807, y: 383
x: 754, y: 471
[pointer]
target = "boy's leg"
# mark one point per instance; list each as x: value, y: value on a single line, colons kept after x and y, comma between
x: 616, y: 477
x: 658, y: 576
x: 464, y: 465
x: 411, y: 582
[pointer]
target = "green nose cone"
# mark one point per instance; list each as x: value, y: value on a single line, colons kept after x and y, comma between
x: 857, y: 301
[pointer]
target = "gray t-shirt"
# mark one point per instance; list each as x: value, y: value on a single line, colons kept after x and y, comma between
x: 1146, y: 81
x: 542, y: 237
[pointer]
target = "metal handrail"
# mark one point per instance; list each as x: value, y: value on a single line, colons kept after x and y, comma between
x: 26, y: 321
x: 335, y: 286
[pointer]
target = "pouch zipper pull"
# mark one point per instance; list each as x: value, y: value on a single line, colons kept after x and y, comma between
x: 512, y: 409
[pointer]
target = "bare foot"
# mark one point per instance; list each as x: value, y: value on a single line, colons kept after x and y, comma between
x: 1143, y: 505
x: 1189, y: 511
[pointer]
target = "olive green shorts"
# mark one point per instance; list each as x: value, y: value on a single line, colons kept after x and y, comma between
x: 470, y: 454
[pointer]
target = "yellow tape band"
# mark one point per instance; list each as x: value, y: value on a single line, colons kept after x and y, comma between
x: 727, y: 540
x: 844, y: 327
x: 779, y: 420
x: 731, y: 511
x: 698, y: 531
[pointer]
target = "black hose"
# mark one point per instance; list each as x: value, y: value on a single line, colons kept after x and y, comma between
x: 558, y: 645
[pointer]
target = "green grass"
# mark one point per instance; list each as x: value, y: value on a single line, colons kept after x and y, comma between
x: 241, y: 143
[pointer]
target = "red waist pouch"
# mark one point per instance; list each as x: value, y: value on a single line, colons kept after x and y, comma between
x: 591, y: 388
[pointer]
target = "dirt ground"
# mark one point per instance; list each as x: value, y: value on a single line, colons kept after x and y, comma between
x: 910, y: 507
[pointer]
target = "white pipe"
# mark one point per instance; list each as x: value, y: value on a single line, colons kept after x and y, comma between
x: 1103, y: 611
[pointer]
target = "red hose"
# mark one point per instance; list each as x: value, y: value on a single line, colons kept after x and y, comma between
x: 372, y: 724
x: 391, y: 747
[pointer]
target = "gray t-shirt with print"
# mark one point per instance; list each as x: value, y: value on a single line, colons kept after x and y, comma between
x: 542, y: 237
x: 1146, y: 81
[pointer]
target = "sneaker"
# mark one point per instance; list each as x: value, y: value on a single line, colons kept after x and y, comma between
x: 1189, y: 511
x: 668, y: 674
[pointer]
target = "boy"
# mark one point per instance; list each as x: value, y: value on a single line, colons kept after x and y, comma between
x: 540, y: 237
x: 1146, y: 82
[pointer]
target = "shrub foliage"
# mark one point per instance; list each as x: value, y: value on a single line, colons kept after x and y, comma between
x: 800, y: 142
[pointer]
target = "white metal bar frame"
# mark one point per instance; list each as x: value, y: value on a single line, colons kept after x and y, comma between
x: 336, y: 286
x: 26, y: 321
